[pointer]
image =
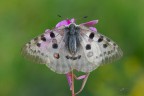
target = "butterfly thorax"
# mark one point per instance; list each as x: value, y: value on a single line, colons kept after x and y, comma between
x: 72, y: 39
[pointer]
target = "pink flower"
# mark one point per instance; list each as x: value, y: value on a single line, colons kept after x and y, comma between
x: 70, y: 76
x: 65, y: 22
x: 90, y: 24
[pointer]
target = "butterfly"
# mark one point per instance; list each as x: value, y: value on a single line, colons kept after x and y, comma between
x: 70, y: 46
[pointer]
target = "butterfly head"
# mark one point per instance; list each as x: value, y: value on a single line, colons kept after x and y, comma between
x: 73, y: 29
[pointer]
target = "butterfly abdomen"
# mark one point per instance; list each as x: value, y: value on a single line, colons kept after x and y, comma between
x: 73, y: 44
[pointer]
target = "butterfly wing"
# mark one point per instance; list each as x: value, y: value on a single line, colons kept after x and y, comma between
x: 97, y: 50
x: 110, y: 51
x: 49, y: 49
x: 36, y: 49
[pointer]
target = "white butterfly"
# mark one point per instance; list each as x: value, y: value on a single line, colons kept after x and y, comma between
x: 70, y: 46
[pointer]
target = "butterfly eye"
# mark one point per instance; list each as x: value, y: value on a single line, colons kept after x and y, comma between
x: 72, y: 26
x: 77, y: 29
x: 66, y: 29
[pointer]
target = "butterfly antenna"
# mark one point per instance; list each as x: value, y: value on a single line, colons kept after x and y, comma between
x: 81, y: 18
x: 62, y: 17
x: 85, y: 16
x: 59, y: 16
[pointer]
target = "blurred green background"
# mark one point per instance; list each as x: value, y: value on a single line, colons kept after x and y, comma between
x: 121, y: 20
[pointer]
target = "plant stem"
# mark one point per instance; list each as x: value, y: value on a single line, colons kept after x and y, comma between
x: 73, y: 92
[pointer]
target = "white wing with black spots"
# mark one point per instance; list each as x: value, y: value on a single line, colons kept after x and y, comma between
x: 72, y: 47
x: 96, y: 50
x: 110, y: 51
x: 49, y: 49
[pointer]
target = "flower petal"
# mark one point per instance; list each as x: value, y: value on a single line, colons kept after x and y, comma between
x: 72, y: 20
x: 85, y: 77
x: 93, y: 29
x: 90, y: 23
x: 69, y: 78
x: 65, y: 22
x: 81, y: 77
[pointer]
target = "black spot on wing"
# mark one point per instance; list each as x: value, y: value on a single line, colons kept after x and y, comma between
x: 88, y: 47
x: 114, y: 44
x: 79, y: 57
x: 105, y: 45
x: 67, y: 57
x: 38, y: 44
x: 43, y: 38
x: 109, y: 52
x: 36, y: 38
x: 108, y: 39
x: 55, y: 46
x: 52, y: 35
x: 73, y: 58
x: 91, y: 36
x: 100, y: 39
x: 104, y: 53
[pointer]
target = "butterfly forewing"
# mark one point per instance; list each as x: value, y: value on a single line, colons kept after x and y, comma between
x: 49, y: 51
x: 110, y: 51
x: 36, y: 49
x: 97, y: 49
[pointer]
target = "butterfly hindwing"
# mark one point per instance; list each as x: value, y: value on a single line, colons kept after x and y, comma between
x: 90, y: 50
